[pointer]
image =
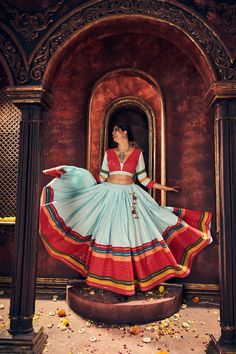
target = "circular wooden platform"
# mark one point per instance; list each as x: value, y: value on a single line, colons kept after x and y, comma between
x: 111, y: 308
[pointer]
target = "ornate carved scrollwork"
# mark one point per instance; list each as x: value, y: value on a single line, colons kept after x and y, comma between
x: 227, y: 15
x: 221, y: 14
x: 6, y: 230
x: 172, y: 13
x: 168, y: 12
x: 14, y: 58
x: 31, y: 25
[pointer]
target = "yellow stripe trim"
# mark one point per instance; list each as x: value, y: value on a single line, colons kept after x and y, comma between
x: 61, y: 233
x: 109, y: 283
x: 127, y: 258
x: 65, y: 257
x: 143, y: 179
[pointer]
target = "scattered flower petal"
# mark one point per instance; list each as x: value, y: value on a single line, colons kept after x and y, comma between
x: 148, y: 328
x: 61, y: 313
x: 2, y: 306
x: 52, y: 313
x: 62, y: 327
x: 81, y: 330
x: 184, y: 306
x: 164, y: 323
x: 93, y: 339
x: 65, y: 322
x: 135, y: 330
x: 161, y: 289
x: 50, y: 325
x: 185, y: 325
x: 196, y: 299
x: 146, y: 339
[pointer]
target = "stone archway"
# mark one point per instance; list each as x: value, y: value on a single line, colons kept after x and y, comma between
x: 110, y: 26
x: 215, y: 63
x: 169, y: 16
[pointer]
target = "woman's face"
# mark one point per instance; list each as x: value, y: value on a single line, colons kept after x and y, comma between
x: 117, y: 133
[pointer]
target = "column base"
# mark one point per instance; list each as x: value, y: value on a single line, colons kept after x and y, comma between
x: 24, y: 344
x: 215, y: 347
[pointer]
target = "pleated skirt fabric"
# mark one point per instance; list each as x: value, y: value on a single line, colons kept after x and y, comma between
x: 116, y: 235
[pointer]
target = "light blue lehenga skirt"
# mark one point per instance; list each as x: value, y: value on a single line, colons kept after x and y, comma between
x: 116, y: 235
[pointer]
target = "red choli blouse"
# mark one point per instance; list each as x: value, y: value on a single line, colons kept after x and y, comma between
x: 134, y: 163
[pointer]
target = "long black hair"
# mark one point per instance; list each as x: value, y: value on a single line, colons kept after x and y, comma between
x: 130, y: 134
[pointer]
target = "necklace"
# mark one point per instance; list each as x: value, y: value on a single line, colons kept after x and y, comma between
x: 122, y: 154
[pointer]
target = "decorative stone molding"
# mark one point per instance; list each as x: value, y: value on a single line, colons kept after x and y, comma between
x: 7, y: 229
x: 220, y: 90
x: 30, y: 26
x: 172, y: 13
x: 13, y: 57
x: 29, y: 94
x: 221, y: 14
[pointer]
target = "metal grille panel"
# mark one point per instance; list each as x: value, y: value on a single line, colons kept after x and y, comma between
x: 10, y: 117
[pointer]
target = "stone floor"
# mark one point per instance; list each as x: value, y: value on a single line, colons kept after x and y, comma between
x: 183, y: 333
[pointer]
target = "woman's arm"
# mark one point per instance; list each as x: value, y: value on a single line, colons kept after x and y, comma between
x: 146, y: 181
x: 142, y: 174
x: 104, y: 172
x: 166, y: 188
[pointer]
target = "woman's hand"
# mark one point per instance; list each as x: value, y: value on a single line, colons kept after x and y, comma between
x: 166, y: 188
x: 172, y: 189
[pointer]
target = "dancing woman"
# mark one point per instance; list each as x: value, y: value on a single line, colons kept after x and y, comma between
x: 113, y: 232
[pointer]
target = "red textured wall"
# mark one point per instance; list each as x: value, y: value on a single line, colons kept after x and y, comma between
x: 190, y: 155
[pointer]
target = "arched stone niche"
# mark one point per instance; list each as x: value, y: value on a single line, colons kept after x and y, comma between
x: 127, y: 88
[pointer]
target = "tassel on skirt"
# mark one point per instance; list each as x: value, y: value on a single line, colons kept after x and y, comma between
x: 116, y: 235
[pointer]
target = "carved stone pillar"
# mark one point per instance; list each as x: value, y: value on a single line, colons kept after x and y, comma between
x: 223, y: 97
x: 31, y: 100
